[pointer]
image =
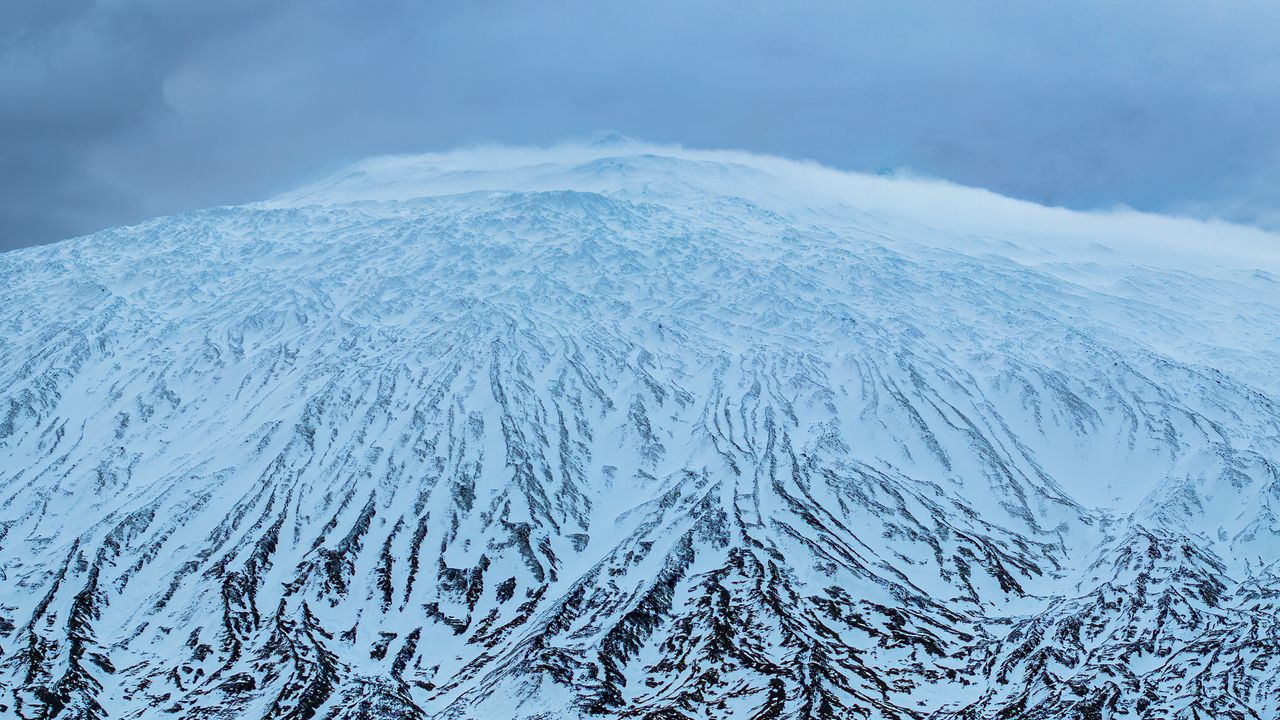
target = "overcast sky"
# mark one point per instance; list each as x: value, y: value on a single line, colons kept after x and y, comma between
x: 113, y: 111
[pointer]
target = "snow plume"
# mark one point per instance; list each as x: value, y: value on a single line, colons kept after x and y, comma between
x: 959, y: 215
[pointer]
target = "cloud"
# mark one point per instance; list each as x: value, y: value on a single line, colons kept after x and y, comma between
x: 117, y: 110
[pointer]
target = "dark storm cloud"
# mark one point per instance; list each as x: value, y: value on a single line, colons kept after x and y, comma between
x: 117, y: 110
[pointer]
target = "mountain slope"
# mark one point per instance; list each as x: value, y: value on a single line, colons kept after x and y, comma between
x: 640, y: 432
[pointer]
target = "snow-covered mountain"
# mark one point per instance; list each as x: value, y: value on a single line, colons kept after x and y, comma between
x: 626, y: 431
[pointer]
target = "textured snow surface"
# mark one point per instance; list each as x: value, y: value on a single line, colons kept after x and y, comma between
x: 628, y: 431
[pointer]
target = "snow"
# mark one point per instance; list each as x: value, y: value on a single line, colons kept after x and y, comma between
x: 619, y: 428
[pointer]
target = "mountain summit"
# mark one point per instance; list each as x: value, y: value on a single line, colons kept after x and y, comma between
x: 625, y: 431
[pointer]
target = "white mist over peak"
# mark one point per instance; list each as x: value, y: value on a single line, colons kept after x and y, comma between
x: 965, y: 216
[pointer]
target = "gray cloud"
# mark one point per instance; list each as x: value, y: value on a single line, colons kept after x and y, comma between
x: 117, y: 110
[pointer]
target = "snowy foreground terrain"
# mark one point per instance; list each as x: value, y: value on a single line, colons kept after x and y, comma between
x: 636, y: 432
